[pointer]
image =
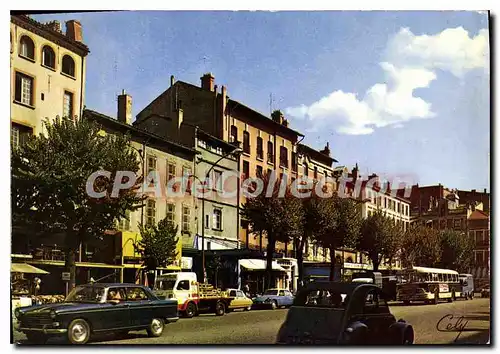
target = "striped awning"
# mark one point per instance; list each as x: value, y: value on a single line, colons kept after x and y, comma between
x: 26, y: 268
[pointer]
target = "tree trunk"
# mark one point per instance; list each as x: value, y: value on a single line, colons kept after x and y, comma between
x: 271, y: 243
x: 376, y: 262
x: 300, y: 259
x: 332, y: 264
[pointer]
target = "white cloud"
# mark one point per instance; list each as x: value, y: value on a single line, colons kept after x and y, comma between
x: 411, y: 63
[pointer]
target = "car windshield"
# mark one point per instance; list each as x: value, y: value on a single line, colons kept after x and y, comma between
x: 165, y: 284
x: 94, y: 294
x: 271, y: 292
x: 324, y: 298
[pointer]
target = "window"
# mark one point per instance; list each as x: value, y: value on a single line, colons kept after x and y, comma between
x: 260, y: 148
x: 270, y: 152
x: 124, y: 223
x: 232, y: 293
x: 399, y: 207
x: 258, y: 171
x: 269, y: 171
x: 186, y: 174
x: 246, y: 169
x: 218, y: 180
x: 151, y: 164
x: 281, y: 293
x: 186, y: 216
x: 27, y: 48
x: 207, y: 221
x: 294, y: 162
x: 240, y: 293
x: 150, y: 212
x: 68, y: 104
x: 171, y: 212
x: 283, y: 156
x: 234, y: 134
x: 24, y: 89
x: 246, y: 142
x: 19, y: 134
x: 183, y: 285
x: 306, y: 170
x: 217, y: 219
x: 136, y: 294
x: 49, y: 57
x: 315, y: 172
x: 68, y: 66
x: 170, y: 170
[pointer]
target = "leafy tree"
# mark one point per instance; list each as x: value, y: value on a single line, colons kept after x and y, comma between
x: 49, y: 178
x: 456, y: 251
x: 279, y: 217
x: 421, y: 246
x: 380, y: 238
x: 341, y: 226
x: 158, y: 244
x: 214, y: 265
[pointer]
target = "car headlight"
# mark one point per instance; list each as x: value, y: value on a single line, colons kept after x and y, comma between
x: 52, y: 314
x: 17, y: 312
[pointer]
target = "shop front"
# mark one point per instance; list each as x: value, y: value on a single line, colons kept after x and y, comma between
x: 252, y: 272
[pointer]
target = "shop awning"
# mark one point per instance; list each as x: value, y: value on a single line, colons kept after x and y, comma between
x: 259, y: 264
x: 26, y: 268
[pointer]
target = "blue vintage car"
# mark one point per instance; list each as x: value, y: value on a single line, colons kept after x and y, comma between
x: 97, y: 308
x: 273, y: 298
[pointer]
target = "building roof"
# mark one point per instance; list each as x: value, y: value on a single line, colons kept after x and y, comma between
x: 134, y: 131
x: 478, y: 215
x: 48, y: 33
x: 232, y: 104
x: 316, y: 155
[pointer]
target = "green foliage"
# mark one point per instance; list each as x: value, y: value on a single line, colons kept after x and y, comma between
x: 49, y: 176
x: 380, y: 238
x: 456, y: 251
x: 339, y: 227
x: 158, y: 245
x: 421, y: 246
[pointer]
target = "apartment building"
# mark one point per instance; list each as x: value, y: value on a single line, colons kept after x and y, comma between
x: 47, y: 70
x: 171, y: 162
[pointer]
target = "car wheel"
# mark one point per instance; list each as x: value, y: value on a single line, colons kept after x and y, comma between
x: 36, y: 338
x: 78, y: 331
x: 220, y: 309
x: 190, y: 310
x: 408, y: 337
x: 274, y: 305
x: 155, y: 328
x: 452, y: 298
x: 248, y: 308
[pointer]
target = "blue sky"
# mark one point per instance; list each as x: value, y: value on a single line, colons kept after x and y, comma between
x: 423, y: 114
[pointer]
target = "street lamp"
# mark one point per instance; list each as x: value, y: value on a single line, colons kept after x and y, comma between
x: 235, y: 152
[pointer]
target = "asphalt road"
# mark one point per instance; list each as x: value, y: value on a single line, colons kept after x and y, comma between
x: 261, y: 326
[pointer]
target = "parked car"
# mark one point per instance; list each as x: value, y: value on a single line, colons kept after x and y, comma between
x: 97, y: 308
x: 240, y: 301
x: 485, y: 292
x: 343, y: 313
x: 274, y: 298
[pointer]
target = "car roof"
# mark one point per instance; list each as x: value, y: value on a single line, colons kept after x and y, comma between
x: 341, y: 287
x: 113, y: 285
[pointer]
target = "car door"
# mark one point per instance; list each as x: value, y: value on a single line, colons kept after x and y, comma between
x: 116, y: 313
x: 281, y: 298
x: 288, y: 300
x: 243, y: 301
x: 234, y: 302
x: 140, y: 307
x: 377, y: 317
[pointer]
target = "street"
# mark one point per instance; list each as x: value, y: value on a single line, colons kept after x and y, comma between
x: 260, y: 327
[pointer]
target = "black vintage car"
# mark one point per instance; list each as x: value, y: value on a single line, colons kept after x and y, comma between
x: 343, y: 313
x: 97, y: 308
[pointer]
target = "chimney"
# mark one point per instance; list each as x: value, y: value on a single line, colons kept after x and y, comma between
x: 207, y: 82
x: 484, y: 190
x: 54, y: 26
x: 473, y: 191
x: 124, y: 108
x: 74, y: 30
x: 172, y: 80
x: 277, y: 116
x: 326, y: 150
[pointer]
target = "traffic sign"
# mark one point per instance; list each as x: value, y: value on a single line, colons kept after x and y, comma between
x: 66, y: 276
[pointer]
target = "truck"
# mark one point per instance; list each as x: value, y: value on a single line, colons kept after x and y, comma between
x: 368, y: 277
x: 193, y: 297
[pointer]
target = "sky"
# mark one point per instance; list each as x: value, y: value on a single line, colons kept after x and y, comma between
x: 402, y: 94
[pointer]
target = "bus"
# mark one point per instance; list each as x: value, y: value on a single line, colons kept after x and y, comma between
x: 429, y: 285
